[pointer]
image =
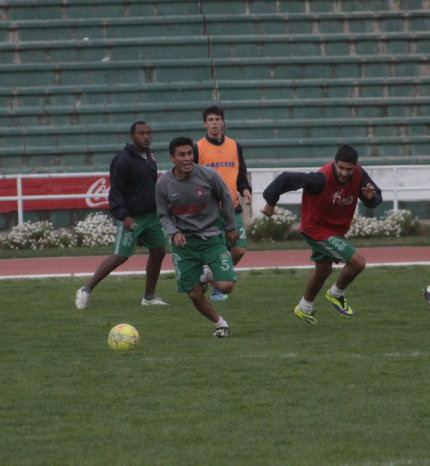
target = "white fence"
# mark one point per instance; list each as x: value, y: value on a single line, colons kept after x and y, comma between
x: 95, y: 194
x: 397, y: 182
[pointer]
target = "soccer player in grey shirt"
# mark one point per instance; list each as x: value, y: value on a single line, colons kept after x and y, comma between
x: 189, y: 200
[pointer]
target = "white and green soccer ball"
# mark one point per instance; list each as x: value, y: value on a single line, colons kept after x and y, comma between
x: 123, y: 337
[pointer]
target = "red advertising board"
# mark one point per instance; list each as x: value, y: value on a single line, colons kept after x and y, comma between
x: 95, y: 186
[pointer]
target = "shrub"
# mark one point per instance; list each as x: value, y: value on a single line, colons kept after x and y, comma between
x: 37, y: 235
x: 275, y: 228
x: 65, y: 238
x: 394, y: 223
x: 98, y: 229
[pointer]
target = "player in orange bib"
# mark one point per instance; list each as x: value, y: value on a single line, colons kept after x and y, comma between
x: 225, y: 155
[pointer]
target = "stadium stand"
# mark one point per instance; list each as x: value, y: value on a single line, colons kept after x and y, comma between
x: 297, y: 78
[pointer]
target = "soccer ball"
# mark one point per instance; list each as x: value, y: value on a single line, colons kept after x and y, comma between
x: 123, y: 337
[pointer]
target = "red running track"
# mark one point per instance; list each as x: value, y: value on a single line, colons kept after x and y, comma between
x: 86, y: 265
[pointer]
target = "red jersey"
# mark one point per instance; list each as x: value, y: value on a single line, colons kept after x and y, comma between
x: 330, y: 213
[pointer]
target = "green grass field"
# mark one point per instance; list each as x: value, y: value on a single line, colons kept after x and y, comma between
x: 278, y: 392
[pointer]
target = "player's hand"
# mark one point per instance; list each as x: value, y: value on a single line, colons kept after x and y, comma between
x: 368, y: 191
x: 179, y: 240
x: 128, y: 223
x: 231, y: 237
x: 268, y: 210
x: 247, y: 196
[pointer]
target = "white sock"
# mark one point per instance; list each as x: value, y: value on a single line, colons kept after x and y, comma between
x: 207, y: 272
x: 221, y: 323
x: 336, y: 292
x: 306, y: 306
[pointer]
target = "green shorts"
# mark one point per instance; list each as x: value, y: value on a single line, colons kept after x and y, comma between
x: 333, y: 249
x: 148, y: 232
x: 241, y: 241
x: 189, y: 261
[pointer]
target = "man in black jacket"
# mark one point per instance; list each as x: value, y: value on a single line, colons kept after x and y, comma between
x: 133, y: 175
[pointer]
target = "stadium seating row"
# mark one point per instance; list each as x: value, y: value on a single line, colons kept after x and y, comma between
x: 282, y: 107
x: 20, y: 137
x: 226, y: 46
x: 53, y: 9
x: 219, y: 90
x: 204, y: 69
x: 276, y: 152
x: 118, y: 27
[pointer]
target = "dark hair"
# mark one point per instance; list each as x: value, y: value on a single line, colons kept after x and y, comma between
x: 213, y: 110
x: 346, y: 153
x: 133, y: 126
x: 180, y: 141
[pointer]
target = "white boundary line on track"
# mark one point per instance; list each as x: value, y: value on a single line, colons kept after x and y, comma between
x: 239, y: 269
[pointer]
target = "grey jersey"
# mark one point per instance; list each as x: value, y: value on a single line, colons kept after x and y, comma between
x: 192, y: 206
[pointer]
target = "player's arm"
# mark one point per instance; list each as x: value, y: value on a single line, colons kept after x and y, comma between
x: 227, y: 208
x: 243, y: 186
x: 195, y: 153
x: 166, y: 218
x: 118, y: 178
x: 313, y: 182
x: 370, y: 194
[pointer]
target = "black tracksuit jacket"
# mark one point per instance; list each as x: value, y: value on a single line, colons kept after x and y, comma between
x: 132, y: 183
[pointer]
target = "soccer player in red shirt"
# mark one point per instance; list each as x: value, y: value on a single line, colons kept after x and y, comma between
x: 329, y: 200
